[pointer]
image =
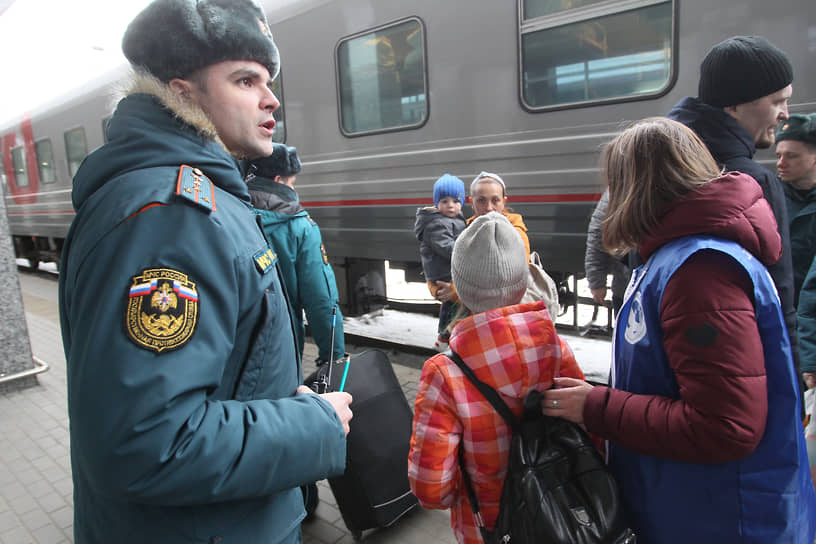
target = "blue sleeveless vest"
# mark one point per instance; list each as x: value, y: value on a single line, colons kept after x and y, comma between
x: 767, y: 497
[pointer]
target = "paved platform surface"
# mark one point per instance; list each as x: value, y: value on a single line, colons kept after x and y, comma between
x: 36, y: 505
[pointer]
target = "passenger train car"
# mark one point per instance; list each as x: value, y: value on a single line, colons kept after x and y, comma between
x: 381, y: 97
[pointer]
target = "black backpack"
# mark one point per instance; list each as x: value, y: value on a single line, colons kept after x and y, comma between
x: 557, y: 489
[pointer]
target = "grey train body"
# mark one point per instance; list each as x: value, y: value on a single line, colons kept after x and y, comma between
x: 382, y: 97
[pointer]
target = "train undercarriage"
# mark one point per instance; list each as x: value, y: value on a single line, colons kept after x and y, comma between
x: 361, y: 284
x: 38, y: 249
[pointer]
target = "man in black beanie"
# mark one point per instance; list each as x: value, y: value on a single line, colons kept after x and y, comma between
x: 189, y: 422
x: 744, y: 88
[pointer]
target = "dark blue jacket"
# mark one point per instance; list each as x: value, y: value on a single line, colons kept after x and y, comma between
x: 436, y: 234
x: 306, y: 271
x: 732, y: 147
x: 181, y: 359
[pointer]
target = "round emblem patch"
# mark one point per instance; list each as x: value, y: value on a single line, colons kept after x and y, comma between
x: 636, y: 324
x: 162, y: 309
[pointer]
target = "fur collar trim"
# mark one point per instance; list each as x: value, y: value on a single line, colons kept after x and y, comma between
x: 185, y: 110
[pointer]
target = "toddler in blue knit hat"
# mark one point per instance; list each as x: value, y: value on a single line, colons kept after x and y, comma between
x: 436, y: 228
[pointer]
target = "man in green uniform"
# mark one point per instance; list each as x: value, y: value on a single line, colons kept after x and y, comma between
x: 188, y: 420
x: 796, y: 167
x: 304, y: 264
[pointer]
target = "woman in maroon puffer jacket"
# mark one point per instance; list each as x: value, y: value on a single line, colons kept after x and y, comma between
x: 702, y: 416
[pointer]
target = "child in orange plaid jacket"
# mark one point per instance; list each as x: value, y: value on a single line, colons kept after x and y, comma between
x: 510, y: 346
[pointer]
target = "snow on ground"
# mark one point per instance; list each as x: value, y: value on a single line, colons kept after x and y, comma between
x: 593, y: 355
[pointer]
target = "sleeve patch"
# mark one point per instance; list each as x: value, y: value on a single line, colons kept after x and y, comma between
x: 323, y: 252
x: 265, y: 260
x: 193, y: 186
x: 162, y: 309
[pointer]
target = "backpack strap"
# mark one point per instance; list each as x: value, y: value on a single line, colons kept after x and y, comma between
x: 488, y: 392
x: 474, y: 501
x: 501, y: 407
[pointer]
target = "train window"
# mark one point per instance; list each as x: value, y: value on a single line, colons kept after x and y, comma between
x: 20, y: 172
x: 579, y: 51
x: 381, y: 79
x: 45, y: 161
x: 280, y: 126
x: 76, y: 148
x: 539, y: 8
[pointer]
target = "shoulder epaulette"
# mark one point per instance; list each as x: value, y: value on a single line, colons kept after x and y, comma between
x: 194, y: 186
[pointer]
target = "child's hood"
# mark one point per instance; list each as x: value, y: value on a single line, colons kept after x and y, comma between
x: 513, y: 349
x: 424, y: 216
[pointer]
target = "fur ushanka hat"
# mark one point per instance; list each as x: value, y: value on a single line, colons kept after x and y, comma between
x: 283, y: 161
x: 174, y: 38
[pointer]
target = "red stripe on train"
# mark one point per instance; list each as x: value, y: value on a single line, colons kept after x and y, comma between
x: 512, y: 199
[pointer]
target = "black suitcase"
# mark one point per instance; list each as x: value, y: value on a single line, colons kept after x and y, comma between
x: 373, y: 491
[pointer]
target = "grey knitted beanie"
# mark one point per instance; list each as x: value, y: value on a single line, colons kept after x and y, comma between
x: 283, y: 161
x: 488, y: 264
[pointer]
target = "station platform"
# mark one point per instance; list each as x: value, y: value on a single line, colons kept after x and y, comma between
x: 36, y: 505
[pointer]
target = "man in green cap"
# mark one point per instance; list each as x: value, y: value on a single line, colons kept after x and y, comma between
x: 796, y: 166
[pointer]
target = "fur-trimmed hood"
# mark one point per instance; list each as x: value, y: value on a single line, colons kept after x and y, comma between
x: 189, y: 112
x: 150, y: 128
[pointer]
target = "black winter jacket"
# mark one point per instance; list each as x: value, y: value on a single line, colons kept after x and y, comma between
x: 733, y: 148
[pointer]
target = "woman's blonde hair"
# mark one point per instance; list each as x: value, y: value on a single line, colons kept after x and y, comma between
x: 650, y: 164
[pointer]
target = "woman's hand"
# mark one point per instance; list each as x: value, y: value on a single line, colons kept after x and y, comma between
x: 566, y: 400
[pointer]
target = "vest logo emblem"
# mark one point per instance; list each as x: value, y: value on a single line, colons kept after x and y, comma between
x: 636, y: 323
x: 162, y: 309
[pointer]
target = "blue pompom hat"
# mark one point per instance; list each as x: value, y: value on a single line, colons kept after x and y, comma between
x: 448, y: 185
